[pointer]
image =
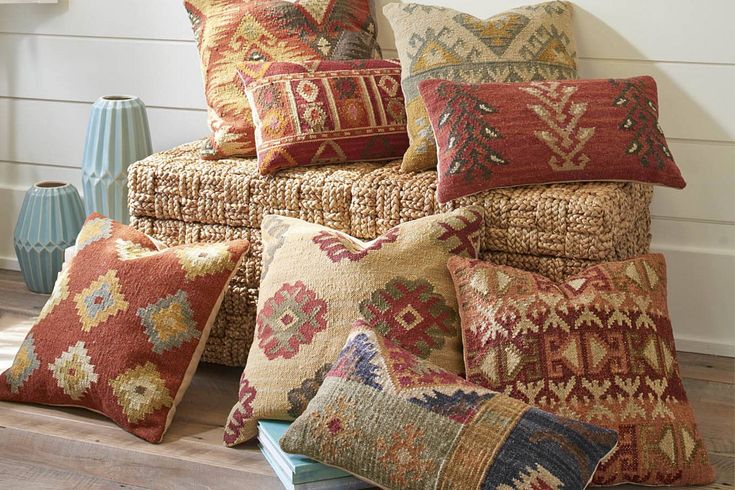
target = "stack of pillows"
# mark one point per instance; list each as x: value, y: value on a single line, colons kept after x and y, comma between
x: 299, y: 84
x: 404, y: 360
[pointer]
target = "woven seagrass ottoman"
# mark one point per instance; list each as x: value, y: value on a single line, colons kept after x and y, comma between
x: 555, y: 230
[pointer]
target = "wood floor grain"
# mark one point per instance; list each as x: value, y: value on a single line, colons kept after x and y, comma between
x: 45, y: 447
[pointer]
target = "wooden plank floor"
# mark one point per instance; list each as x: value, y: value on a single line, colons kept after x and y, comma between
x: 44, y: 447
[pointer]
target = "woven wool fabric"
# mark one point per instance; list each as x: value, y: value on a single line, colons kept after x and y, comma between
x: 502, y: 135
x: 317, y: 281
x: 555, y: 230
x: 124, y: 328
x: 404, y: 423
x: 597, y: 346
x: 325, y: 112
x: 524, y: 44
x: 230, y: 32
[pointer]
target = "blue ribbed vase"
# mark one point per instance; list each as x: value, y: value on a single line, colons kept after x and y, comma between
x: 49, y: 221
x: 117, y: 135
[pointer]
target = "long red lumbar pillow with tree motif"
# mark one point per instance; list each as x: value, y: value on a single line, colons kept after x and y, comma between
x: 510, y: 134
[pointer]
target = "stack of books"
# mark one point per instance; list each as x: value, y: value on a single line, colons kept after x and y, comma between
x: 298, y: 472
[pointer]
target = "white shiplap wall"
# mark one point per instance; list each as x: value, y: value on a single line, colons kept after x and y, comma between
x: 56, y: 59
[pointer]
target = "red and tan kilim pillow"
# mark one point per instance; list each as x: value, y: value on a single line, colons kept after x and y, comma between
x: 325, y: 112
x: 230, y: 32
x: 317, y: 282
x: 124, y: 328
x: 510, y: 134
x: 597, y: 347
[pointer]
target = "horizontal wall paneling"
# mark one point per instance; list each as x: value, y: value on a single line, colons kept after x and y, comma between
x: 161, y: 73
x: 148, y: 19
x: 70, y: 69
x: 40, y: 131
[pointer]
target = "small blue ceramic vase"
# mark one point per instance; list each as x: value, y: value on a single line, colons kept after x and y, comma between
x: 49, y: 221
x: 117, y: 135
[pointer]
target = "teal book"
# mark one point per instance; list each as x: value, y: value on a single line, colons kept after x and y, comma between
x: 300, y: 472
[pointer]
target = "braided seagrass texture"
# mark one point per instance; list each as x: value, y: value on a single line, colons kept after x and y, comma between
x: 555, y: 230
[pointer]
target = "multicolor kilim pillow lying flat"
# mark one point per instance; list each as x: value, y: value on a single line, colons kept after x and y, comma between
x: 124, y: 328
x: 403, y: 423
x: 230, y: 32
x: 317, y: 281
x: 509, y: 134
x: 597, y: 347
x: 520, y: 45
x: 325, y: 112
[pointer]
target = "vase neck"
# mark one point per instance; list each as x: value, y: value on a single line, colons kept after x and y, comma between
x: 50, y: 185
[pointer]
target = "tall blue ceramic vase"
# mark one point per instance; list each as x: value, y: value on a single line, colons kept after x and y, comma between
x: 117, y: 135
x: 49, y: 221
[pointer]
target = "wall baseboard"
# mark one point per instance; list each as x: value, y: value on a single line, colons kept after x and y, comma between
x: 688, y: 344
x: 9, y: 263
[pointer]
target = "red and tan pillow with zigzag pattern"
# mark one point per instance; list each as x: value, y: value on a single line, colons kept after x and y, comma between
x: 597, y: 347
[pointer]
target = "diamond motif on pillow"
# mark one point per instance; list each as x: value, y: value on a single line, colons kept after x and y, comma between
x: 289, y: 319
x: 203, y: 260
x: 389, y: 84
x: 308, y: 90
x: 93, y: 230
x: 411, y: 313
x: 274, y: 123
x: 25, y: 362
x: 73, y: 371
x: 100, y: 300
x: 169, y: 322
x: 315, y: 117
x: 397, y: 111
x: 140, y: 391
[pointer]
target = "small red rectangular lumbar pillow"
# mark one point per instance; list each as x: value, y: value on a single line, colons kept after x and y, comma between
x: 325, y: 112
x: 124, y: 328
x: 511, y: 134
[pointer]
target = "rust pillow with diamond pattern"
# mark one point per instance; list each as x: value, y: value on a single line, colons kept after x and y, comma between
x: 509, y: 134
x: 534, y: 42
x: 316, y: 282
x: 231, y: 32
x: 597, y: 347
x: 124, y: 328
x: 326, y: 112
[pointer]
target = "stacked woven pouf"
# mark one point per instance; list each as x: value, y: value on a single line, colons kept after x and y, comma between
x: 556, y: 230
